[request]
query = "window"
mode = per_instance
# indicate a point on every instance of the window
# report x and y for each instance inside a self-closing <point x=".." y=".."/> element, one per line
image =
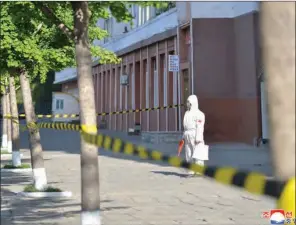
<point x="169" y="6"/>
<point x="165" y="83"/>
<point x="155" y="79"/>
<point x="147" y="13"/>
<point x="59" y="104"/>
<point x="139" y="16"/>
<point x="133" y="10"/>
<point x="143" y="15"/>
<point x="154" y="64"/>
<point x="108" y="28"/>
<point x="147" y="86"/>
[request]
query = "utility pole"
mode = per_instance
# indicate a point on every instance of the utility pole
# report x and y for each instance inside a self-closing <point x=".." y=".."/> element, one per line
<point x="278" y="39"/>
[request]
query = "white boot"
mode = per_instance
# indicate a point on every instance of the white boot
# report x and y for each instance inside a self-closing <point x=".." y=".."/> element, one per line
<point x="190" y="172"/>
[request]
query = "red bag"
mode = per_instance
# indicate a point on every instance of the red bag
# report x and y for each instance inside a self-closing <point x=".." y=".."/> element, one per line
<point x="180" y="147"/>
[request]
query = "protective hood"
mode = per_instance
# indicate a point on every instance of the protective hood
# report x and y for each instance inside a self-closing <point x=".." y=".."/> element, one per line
<point x="192" y="99"/>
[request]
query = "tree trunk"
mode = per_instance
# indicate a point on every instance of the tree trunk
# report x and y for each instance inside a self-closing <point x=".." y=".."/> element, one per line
<point x="278" y="36"/>
<point x="90" y="192"/>
<point x="9" y="133"/>
<point x="4" y="124"/>
<point x="39" y="175"/>
<point x="16" y="156"/>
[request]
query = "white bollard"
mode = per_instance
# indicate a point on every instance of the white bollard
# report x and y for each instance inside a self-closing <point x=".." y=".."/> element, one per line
<point x="91" y="218"/>
<point x="9" y="146"/>
<point x="4" y="142"/>
<point x="40" y="180"/>
<point x="16" y="158"/>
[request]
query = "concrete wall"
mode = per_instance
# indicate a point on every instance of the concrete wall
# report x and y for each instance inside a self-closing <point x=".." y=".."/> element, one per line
<point x="222" y="9"/>
<point x="138" y="32"/>
<point x="118" y="28"/>
<point x="225" y="71"/>
<point x="222" y="60"/>
<point x="150" y="85"/>
<point x="157" y="25"/>
<point x="183" y="12"/>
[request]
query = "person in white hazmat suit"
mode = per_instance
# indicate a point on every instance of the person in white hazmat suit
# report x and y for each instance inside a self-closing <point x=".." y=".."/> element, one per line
<point x="195" y="149"/>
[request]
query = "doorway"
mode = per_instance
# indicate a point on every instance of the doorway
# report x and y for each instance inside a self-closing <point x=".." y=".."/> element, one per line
<point x="264" y="113"/>
<point x="185" y="85"/>
<point x="185" y="91"/>
<point x="137" y="92"/>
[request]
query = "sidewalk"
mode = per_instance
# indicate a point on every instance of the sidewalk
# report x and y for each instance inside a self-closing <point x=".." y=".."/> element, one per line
<point x="237" y="155"/>
<point x="241" y="156"/>
<point x="133" y="192"/>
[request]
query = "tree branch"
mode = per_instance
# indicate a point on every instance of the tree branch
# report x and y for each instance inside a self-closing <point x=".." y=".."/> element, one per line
<point x="50" y="14"/>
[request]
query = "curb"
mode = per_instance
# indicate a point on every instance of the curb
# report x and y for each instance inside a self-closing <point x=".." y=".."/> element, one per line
<point x="26" y="170"/>
<point x="66" y="194"/>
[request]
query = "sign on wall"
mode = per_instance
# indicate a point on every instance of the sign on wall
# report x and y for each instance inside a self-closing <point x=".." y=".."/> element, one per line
<point x="173" y="63"/>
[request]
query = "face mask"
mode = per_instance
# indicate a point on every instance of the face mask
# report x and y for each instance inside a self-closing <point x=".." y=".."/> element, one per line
<point x="188" y="105"/>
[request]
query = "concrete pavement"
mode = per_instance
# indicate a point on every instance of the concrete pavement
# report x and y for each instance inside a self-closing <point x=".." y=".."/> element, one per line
<point x="135" y="191"/>
<point x="233" y="154"/>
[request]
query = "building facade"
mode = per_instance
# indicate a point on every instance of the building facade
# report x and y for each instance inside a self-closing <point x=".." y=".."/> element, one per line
<point x="66" y="101"/>
<point x="219" y="61"/>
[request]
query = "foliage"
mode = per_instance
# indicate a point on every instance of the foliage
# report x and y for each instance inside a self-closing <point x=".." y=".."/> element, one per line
<point x="31" y="188"/>
<point x="165" y="8"/>
<point x="3" y="81"/>
<point x="23" y="166"/>
<point x="42" y="94"/>
<point x="27" y="43"/>
<point x="5" y="152"/>
<point x="31" y="40"/>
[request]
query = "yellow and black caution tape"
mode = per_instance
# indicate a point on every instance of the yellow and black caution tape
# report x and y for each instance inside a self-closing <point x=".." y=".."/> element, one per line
<point x="253" y="182"/>
<point x="98" y="114"/>
<point x="56" y="126"/>
<point x="60" y="126"/>
<point x="32" y="126"/>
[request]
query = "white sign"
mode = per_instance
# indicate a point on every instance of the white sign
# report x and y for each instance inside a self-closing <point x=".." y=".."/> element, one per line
<point x="173" y="63"/>
<point x="124" y="79"/>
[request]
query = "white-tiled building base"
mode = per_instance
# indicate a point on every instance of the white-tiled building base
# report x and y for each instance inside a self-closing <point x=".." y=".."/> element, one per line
<point x="64" y="194"/>
<point x="161" y="137"/>
<point x="7" y="156"/>
<point x="24" y="170"/>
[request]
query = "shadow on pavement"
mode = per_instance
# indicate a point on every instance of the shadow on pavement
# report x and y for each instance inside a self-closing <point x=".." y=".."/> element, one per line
<point x="168" y="173"/>
<point x="69" y="141"/>
<point x="24" y="160"/>
<point x="9" y="179"/>
<point x="43" y="210"/>
<point x="107" y="209"/>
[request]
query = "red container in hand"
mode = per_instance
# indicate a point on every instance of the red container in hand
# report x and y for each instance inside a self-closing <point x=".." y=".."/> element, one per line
<point x="180" y="147"/>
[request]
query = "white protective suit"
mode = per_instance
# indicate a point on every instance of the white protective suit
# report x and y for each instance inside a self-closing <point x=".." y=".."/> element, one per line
<point x="193" y="123"/>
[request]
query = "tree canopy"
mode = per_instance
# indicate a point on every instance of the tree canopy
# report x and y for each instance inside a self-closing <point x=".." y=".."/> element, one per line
<point x="31" y="36"/>
<point x="27" y="43"/>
